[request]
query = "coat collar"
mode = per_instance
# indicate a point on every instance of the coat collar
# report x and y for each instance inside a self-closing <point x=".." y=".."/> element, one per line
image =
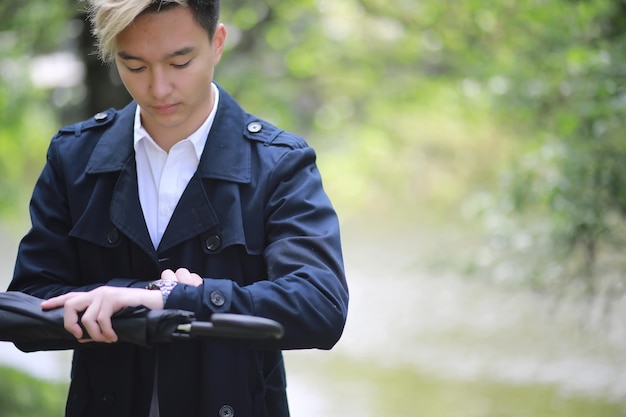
<point x="226" y="155"/>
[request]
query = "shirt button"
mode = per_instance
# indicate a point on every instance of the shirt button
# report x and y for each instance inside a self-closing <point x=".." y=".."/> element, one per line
<point x="217" y="299"/>
<point x="227" y="411"/>
<point x="212" y="243"/>
<point x="255" y="127"/>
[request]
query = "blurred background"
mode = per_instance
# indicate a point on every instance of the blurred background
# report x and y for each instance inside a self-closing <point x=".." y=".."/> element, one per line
<point x="475" y="153"/>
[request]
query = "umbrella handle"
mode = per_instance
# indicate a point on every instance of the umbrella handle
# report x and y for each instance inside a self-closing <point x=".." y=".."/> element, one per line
<point x="227" y="325"/>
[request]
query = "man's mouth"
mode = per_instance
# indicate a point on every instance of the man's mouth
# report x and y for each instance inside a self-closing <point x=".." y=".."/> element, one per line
<point x="164" y="108"/>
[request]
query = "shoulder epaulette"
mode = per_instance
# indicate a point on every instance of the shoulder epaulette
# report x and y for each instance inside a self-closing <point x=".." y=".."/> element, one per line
<point x="269" y="134"/>
<point x="99" y="119"/>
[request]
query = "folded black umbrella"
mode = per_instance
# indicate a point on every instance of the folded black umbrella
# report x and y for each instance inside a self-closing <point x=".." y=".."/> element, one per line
<point x="23" y="322"/>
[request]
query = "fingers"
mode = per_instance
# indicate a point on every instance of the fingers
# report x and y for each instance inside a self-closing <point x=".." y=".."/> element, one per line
<point x="168" y="275"/>
<point x="184" y="276"/>
<point x="56" y="302"/>
<point x="70" y="316"/>
<point x="88" y="314"/>
<point x="96" y="319"/>
<point x="90" y="311"/>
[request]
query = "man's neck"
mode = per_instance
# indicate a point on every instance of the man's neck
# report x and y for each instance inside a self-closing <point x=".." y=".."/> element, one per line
<point x="166" y="137"/>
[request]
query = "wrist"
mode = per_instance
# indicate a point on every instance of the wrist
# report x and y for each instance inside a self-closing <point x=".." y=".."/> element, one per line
<point x="152" y="300"/>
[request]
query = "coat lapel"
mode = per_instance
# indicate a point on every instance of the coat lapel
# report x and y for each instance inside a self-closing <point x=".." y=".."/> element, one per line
<point x="226" y="157"/>
<point x="193" y="216"/>
<point x="114" y="153"/>
<point x="125" y="210"/>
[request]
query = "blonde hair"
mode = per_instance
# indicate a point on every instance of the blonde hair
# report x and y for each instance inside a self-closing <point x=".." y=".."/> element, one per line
<point x="110" y="17"/>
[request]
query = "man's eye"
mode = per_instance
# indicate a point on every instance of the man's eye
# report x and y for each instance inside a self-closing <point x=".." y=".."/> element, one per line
<point x="181" y="66"/>
<point x="138" y="69"/>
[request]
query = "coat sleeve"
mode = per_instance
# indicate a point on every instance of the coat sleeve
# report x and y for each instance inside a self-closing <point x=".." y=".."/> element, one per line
<point x="306" y="288"/>
<point x="47" y="264"/>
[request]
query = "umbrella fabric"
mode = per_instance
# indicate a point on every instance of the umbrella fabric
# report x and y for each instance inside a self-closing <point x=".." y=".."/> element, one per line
<point x="23" y="322"/>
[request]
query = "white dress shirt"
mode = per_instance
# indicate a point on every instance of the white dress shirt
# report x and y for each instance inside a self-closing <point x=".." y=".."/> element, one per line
<point x="163" y="176"/>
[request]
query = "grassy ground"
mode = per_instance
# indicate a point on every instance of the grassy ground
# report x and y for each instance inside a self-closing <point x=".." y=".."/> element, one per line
<point x="340" y="385"/>
<point x="22" y="395"/>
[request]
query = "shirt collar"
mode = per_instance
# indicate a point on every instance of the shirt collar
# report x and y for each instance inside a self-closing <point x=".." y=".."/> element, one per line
<point x="227" y="156"/>
<point x="197" y="138"/>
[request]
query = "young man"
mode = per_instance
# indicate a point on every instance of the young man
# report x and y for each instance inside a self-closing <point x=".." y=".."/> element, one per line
<point x="184" y="192"/>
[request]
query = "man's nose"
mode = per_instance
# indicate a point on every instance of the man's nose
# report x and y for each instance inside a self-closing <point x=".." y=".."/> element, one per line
<point x="160" y="84"/>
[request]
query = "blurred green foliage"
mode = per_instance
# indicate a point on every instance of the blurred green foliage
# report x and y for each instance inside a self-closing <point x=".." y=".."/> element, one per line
<point x="27" y="29"/>
<point x="553" y="76"/>
<point x="508" y="112"/>
<point x="409" y="392"/>
<point x="24" y="396"/>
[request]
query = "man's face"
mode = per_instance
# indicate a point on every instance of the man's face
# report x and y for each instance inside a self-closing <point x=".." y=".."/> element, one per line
<point x="166" y="62"/>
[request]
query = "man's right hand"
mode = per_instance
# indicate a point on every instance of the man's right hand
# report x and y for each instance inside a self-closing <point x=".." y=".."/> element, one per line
<point x="97" y="308"/>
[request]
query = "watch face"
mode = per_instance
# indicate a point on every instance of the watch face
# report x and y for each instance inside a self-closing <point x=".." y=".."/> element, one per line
<point x="162" y="283"/>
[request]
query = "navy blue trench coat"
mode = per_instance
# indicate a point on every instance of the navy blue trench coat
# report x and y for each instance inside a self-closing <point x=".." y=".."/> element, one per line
<point x="254" y="222"/>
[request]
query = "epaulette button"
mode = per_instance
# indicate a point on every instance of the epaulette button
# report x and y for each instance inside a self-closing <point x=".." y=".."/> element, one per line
<point x="255" y="127"/>
<point x="101" y="117"/>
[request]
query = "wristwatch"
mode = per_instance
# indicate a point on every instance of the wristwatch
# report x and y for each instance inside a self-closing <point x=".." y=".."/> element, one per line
<point x="164" y="285"/>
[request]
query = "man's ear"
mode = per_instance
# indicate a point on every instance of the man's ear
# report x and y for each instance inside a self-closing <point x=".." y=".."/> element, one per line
<point x="219" y="39"/>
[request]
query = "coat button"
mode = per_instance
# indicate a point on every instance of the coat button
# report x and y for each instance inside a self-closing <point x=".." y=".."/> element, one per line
<point x="212" y="243"/>
<point x="113" y="236"/>
<point x="108" y="398"/>
<point x="217" y="298"/>
<point x="227" y="411"/>
<point x="101" y="117"/>
<point x="255" y="127"/>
